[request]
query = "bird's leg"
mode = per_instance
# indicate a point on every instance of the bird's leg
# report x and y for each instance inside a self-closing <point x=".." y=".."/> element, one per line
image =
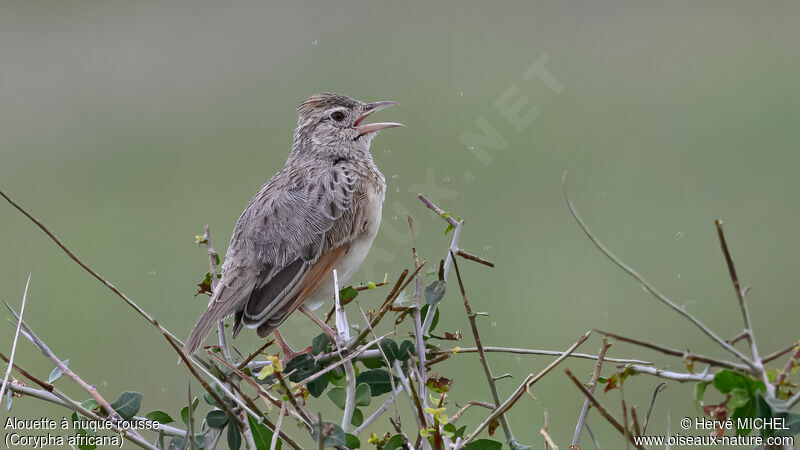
<point x="328" y="330"/>
<point x="288" y="353"/>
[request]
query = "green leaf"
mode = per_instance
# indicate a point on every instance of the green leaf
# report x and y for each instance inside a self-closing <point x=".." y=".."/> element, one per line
<point x="128" y="404"/>
<point x="185" y="411"/>
<point x="220" y="393"/>
<point x="320" y="343"/>
<point x="377" y="379"/>
<point x="394" y="442"/>
<point x="434" y="292"/>
<point x="336" y="437"/>
<point x="390" y="349"/>
<point x="450" y="227"/>
<point x="303" y="367"/>
<point x="484" y="444"/>
<point x="748" y="410"/>
<point x="56" y="373"/>
<point x="725" y="380"/>
<point x="774" y="408"/>
<point x="699" y="391"/>
<point x="216" y="419"/>
<point x="460" y="432"/>
<point x="739" y="397"/>
<point x="373" y="363"/>
<point x="262" y="436"/>
<point x="358" y="418"/>
<point x="234" y="438"/>
<point x="317" y="387"/>
<point x="338" y="396"/>
<point x="82" y="432"/>
<point x="159" y="416"/>
<point x="347" y="294"/>
<point x="406" y="347"/>
<point x="351" y="441"/>
<point x="363" y="395"/>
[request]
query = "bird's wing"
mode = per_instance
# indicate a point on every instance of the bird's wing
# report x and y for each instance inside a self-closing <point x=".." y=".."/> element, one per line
<point x="289" y="239"/>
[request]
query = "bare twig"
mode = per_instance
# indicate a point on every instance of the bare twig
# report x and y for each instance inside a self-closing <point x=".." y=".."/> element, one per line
<point x="342" y="336"/>
<point x="650" y="288"/>
<point x="793" y="401"/>
<point x="350" y="356"/>
<point x="668" y="375"/>
<point x="740" y="295"/>
<point x="426" y="326"/>
<point x="49" y="397"/>
<point x="252" y="356"/>
<point x="90" y="271"/>
<point x="16" y="339"/>
<point x="43" y="384"/>
<point x="379" y="412"/>
<point x="300" y="410"/>
<point x="603" y="412"/>
<point x="591" y="436"/>
<point x="401" y="284"/>
<point x="419" y="338"/>
<point x="635" y="419"/>
<point x="790" y="364"/>
<point x="207" y="387"/>
<point x="576" y="437"/>
<point x="656" y="391"/>
<point x="627" y="433"/>
<point x="484" y="362"/>
<point x="261" y="391"/>
<point x="413" y="397"/>
<point x="464" y="408"/>
<point x="273" y="444"/>
<point x="191" y="417"/>
<point x="57" y="398"/>
<point x="679" y="354"/>
<point x="393" y="397"/>
<point x="529" y="381"/>
<point x="267" y="398"/>
<point x="174" y="341"/>
<point x="212" y="263"/>
<point x="439" y="211"/>
<point x="347" y="302"/>
<point x="528" y="351"/>
<point x="548" y="441"/>
<point x="26" y="331"/>
<point x="778" y="353"/>
<point x="472" y="257"/>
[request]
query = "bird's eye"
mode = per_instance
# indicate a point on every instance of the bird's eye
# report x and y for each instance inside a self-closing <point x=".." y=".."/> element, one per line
<point x="337" y="116"/>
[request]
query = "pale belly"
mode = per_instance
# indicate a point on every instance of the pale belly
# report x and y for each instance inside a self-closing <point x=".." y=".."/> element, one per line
<point x="354" y="257"/>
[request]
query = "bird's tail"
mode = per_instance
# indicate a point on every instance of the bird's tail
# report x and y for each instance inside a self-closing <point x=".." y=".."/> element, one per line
<point x="216" y="311"/>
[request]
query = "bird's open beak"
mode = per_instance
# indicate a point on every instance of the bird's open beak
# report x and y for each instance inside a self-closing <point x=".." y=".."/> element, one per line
<point x="370" y="127"/>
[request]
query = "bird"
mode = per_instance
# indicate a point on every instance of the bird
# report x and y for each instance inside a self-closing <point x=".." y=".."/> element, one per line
<point x="318" y="213"/>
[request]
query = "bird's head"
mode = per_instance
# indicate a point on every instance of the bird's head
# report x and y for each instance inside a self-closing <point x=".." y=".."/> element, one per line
<point x="334" y="122"/>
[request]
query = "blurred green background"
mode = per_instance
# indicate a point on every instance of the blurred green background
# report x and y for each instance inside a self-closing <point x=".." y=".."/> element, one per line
<point x="128" y="126"/>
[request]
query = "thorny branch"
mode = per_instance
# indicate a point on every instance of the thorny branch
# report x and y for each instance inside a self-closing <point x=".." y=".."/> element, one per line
<point x="16" y="339"/>
<point x="576" y="437"/>
<point x="484" y="362"/>
<point x="661" y="297"/>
